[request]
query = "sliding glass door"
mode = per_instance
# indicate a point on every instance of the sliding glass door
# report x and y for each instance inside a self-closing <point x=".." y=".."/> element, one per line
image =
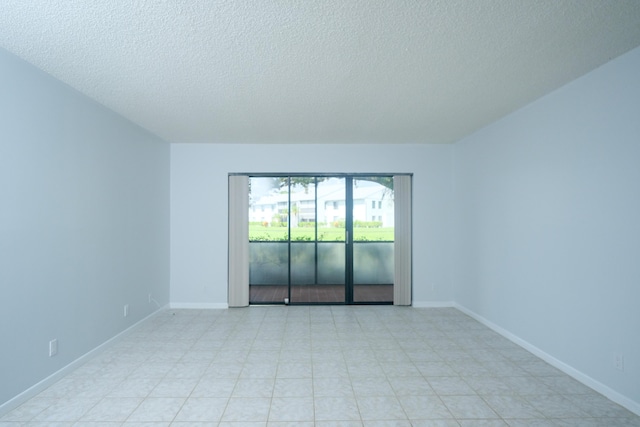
<point x="321" y="239"/>
<point x="317" y="240"/>
<point x="372" y="247"/>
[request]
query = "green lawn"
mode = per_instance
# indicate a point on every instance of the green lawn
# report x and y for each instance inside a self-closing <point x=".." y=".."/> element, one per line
<point x="326" y="234"/>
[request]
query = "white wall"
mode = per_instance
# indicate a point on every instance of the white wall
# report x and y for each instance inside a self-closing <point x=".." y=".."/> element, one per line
<point x="199" y="208"/>
<point x="84" y="224"/>
<point x="548" y="225"/>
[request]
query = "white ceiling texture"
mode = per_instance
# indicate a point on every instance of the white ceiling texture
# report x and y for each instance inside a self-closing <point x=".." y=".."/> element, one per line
<point x="317" y="71"/>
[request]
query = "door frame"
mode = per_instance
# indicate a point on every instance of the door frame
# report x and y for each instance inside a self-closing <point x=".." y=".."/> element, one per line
<point x="349" y="241"/>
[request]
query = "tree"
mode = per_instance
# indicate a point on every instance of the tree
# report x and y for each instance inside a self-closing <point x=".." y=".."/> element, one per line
<point x="305" y="181"/>
<point x="386" y="181"/>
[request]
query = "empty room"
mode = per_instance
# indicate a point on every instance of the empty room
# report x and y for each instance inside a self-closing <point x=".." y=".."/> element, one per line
<point x="356" y="213"/>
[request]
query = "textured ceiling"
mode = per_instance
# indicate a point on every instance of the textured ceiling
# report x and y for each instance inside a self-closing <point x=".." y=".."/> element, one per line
<point x="429" y="71"/>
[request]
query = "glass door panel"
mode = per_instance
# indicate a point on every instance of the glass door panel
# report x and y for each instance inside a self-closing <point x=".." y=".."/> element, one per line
<point x="373" y="231"/>
<point x="317" y="240"/>
<point x="268" y="241"/>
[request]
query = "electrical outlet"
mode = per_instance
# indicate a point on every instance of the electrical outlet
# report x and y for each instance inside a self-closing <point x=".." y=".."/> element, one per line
<point x="126" y="310"/>
<point x="618" y="362"/>
<point x="53" y="347"/>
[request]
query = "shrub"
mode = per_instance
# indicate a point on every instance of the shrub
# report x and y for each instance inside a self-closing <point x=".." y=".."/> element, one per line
<point x="367" y="224"/>
<point x="309" y="224"/>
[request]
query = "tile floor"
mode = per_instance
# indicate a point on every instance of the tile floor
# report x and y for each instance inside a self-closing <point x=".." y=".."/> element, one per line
<point x="320" y="365"/>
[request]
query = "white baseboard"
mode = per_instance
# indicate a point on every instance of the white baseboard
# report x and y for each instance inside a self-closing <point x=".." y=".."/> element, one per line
<point x="606" y="391"/>
<point x="198" y="306"/>
<point x="432" y="304"/>
<point x="32" y="391"/>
